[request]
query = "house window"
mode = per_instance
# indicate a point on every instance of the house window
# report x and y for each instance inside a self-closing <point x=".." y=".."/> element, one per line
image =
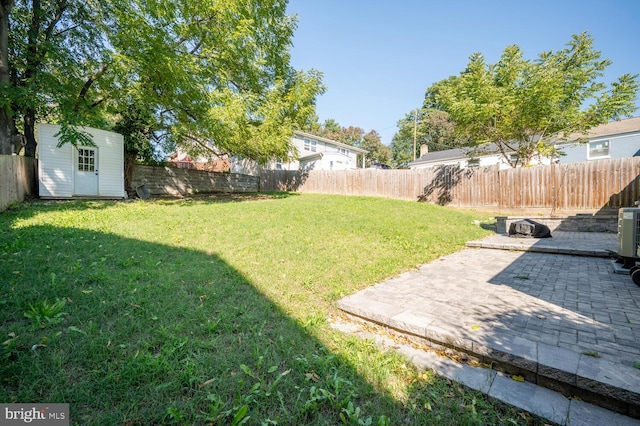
<point x="474" y="162"/>
<point x="343" y="151"/>
<point x="598" y="149"/>
<point x="310" y="145"/>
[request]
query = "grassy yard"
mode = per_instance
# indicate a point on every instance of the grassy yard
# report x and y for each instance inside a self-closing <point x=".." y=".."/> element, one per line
<point x="216" y="311"/>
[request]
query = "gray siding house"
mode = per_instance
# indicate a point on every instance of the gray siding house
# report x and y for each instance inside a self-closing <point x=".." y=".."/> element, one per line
<point x="617" y="139"/>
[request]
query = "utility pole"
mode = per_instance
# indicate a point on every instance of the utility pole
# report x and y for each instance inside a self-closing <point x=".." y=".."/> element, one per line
<point x="415" y="130"/>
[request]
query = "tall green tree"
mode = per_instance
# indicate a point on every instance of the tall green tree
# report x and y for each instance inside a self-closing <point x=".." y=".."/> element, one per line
<point x="8" y="132"/>
<point x="215" y="76"/>
<point x="526" y="105"/>
<point x="378" y="152"/>
<point x="51" y="54"/>
<point x="432" y="127"/>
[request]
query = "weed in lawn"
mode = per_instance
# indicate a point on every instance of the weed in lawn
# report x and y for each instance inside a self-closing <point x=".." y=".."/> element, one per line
<point x="45" y="314"/>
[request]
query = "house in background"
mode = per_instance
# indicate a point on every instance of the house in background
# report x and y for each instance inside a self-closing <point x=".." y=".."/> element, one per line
<point x="313" y="153"/>
<point x="616" y="139"/>
<point x="80" y="171"/>
<point x="487" y="155"/>
<point x="182" y="160"/>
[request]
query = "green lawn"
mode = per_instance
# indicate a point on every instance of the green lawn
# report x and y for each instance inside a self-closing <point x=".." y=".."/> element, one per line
<point x="216" y="311"/>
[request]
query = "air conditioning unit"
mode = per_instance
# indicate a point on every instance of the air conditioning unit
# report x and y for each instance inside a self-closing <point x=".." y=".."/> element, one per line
<point x="629" y="232"/>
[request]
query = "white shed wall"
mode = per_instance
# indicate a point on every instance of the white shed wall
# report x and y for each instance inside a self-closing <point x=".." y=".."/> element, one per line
<point x="110" y="163"/>
<point x="56" y="173"/>
<point x="55" y="165"/>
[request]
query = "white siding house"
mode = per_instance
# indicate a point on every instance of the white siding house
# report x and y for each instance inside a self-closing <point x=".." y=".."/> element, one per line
<point x="488" y="155"/>
<point x="83" y="171"/>
<point x="312" y="152"/>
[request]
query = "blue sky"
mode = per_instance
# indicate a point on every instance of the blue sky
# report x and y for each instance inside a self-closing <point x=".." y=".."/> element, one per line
<point x="379" y="57"/>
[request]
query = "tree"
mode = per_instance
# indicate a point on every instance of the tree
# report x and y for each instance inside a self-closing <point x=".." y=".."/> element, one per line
<point x="214" y="76"/>
<point x="432" y="127"/>
<point x="7" y="126"/>
<point x="218" y="73"/>
<point x="49" y="53"/>
<point x="136" y="127"/>
<point x="525" y="106"/>
<point x="378" y="152"/>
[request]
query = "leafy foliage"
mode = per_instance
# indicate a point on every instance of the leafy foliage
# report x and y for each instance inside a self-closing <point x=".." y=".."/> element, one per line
<point x="432" y="128"/>
<point x="525" y="106"/>
<point x="213" y="76"/>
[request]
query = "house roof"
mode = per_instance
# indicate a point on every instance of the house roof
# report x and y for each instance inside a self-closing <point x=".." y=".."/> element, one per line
<point x="618" y="127"/>
<point x="313" y="156"/>
<point x="331" y="141"/>
<point x="457" y="154"/>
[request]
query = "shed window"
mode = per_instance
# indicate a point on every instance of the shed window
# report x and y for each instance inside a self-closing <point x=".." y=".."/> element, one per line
<point x="474" y="162"/>
<point x="598" y="149"/>
<point x="86" y="160"/>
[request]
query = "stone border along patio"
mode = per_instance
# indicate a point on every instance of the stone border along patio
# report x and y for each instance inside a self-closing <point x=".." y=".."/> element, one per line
<point x="564" y="322"/>
<point x="578" y="223"/>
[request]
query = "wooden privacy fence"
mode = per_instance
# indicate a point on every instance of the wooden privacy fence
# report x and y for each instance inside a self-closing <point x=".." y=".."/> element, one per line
<point x="594" y="185"/>
<point x="18" y="178"/>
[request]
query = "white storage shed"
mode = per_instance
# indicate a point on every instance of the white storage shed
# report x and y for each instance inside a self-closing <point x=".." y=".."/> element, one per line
<point x="82" y="171"/>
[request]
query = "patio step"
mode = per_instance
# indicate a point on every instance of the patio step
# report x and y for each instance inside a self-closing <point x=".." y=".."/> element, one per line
<point x="581" y="376"/>
<point x="595" y="244"/>
<point x="573" y="371"/>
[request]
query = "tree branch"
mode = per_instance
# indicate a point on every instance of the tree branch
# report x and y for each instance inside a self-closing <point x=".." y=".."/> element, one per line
<point x="59" y="33"/>
<point x="96" y="103"/>
<point x="62" y="6"/>
<point x="206" y="146"/>
<point x="90" y="81"/>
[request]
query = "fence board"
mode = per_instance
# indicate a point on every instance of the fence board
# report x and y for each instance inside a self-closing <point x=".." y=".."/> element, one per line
<point x="594" y="185"/>
<point x="18" y="178"/>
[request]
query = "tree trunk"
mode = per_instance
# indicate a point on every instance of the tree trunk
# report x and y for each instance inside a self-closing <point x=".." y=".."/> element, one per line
<point x="129" y="164"/>
<point x="6" y="133"/>
<point x="6" y="119"/>
<point x="29" y="133"/>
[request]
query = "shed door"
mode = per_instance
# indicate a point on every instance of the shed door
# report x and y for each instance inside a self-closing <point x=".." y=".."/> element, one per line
<point x="86" y="179"/>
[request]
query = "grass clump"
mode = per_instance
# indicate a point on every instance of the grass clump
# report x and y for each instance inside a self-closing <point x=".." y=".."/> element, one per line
<point x="208" y="311"/>
<point x="44" y="313"/>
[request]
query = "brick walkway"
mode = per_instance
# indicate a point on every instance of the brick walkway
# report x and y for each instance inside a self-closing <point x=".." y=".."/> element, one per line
<point x="522" y="302"/>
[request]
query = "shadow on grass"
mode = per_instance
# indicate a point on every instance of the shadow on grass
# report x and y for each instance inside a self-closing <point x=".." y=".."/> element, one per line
<point x="153" y="334"/>
<point x="25" y="210"/>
